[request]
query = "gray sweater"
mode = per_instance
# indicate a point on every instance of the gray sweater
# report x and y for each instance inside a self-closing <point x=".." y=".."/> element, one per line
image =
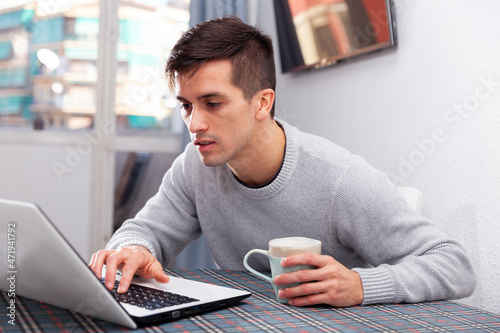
<point x="323" y="192"/>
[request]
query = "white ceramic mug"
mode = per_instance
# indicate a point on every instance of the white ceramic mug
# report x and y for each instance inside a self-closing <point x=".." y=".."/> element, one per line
<point x="280" y="248"/>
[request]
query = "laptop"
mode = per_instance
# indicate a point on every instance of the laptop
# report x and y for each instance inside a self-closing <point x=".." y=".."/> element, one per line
<point x="38" y="263"/>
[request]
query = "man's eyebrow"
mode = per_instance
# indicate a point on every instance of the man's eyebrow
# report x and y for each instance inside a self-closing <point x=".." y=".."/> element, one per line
<point x="204" y="96"/>
<point x="211" y="94"/>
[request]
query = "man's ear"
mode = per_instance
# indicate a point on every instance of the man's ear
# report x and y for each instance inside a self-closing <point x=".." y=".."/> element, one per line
<point x="266" y="101"/>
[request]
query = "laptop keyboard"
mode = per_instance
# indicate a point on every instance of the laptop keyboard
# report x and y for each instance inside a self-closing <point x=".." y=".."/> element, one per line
<point x="149" y="298"/>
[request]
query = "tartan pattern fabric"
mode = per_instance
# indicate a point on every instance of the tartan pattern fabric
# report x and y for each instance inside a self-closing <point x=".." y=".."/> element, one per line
<point x="262" y="313"/>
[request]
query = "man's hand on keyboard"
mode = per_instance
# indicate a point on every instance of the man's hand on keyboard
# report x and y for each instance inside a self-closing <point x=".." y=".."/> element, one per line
<point x="133" y="259"/>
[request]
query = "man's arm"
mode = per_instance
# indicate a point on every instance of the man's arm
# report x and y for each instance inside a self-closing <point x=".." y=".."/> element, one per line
<point x="412" y="259"/>
<point x="161" y="229"/>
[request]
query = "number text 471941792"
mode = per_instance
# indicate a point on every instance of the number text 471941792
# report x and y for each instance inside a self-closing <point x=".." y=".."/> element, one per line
<point x="11" y="272"/>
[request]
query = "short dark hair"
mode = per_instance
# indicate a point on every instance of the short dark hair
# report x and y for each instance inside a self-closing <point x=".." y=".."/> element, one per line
<point x="247" y="48"/>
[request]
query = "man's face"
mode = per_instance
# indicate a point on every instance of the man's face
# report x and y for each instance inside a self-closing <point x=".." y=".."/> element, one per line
<point x="221" y="122"/>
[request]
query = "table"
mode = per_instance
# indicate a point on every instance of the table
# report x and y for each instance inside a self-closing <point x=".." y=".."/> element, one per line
<point x="262" y="313"/>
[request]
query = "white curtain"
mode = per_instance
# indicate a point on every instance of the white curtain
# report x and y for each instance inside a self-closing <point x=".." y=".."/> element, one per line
<point x="202" y="10"/>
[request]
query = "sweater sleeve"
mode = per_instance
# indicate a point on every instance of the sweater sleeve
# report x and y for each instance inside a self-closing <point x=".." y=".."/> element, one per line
<point x="168" y="221"/>
<point x="412" y="260"/>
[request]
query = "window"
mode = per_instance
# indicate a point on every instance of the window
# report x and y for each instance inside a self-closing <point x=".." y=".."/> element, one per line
<point x="147" y="32"/>
<point x="48" y="64"/>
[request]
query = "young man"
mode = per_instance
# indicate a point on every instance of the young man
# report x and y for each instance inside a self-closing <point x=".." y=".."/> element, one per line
<point x="247" y="178"/>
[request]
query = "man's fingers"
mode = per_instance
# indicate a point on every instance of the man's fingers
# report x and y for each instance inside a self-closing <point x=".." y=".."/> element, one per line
<point x="126" y="259"/>
<point x="306" y="259"/>
<point x="140" y="261"/>
<point x="306" y="294"/>
<point x="305" y="275"/>
<point x="128" y="272"/>
<point x="112" y="263"/>
<point x="131" y="260"/>
<point x="305" y="289"/>
<point x="97" y="262"/>
<point x="331" y="283"/>
<point x="154" y="270"/>
<point x="159" y="275"/>
<point x="301" y="276"/>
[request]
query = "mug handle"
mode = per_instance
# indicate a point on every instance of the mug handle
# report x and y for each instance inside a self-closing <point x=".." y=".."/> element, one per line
<point x="247" y="266"/>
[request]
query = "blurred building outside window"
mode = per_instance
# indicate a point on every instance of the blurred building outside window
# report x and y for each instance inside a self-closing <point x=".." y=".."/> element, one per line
<point x="48" y="64"/>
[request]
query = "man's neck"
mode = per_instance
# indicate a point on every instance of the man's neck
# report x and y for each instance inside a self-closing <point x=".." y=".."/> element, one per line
<point x="269" y="152"/>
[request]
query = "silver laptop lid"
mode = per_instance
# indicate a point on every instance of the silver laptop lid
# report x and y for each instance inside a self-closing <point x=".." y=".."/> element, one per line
<point x="44" y="267"/>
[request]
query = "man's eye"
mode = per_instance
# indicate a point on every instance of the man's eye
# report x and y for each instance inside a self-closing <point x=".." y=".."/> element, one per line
<point x="185" y="107"/>
<point x="213" y="104"/>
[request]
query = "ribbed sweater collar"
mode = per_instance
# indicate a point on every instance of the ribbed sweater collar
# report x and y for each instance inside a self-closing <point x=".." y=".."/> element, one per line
<point x="285" y="173"/>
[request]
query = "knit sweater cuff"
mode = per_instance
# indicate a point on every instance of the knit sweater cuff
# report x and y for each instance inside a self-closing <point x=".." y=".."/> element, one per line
<point x="126" y="241"/>
<point x="378" y="286"/>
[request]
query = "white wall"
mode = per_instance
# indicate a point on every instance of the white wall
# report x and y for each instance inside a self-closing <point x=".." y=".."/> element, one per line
<point x="57" y="178"/>
<point x="426" y="112"/>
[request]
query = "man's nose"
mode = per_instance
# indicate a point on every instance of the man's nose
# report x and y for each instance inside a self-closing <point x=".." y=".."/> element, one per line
<point x="197" y="122"/>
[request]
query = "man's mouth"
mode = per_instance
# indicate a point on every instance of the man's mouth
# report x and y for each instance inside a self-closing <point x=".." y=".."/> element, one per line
<point x="203" y="145"/>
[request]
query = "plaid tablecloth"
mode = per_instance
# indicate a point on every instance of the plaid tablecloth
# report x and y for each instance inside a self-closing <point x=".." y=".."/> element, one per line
<point x="262" y="313"/>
